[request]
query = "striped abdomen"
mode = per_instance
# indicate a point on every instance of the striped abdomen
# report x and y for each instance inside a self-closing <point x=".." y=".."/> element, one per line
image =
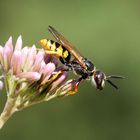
<point x="52" y="47"/>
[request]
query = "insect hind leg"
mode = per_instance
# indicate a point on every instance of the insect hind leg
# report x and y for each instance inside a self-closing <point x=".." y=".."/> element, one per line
<point x="53" y="53"/>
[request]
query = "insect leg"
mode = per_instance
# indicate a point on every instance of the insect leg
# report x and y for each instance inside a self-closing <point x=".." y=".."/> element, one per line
<point x="53" y="53"/>
<point x="77" y="82"/>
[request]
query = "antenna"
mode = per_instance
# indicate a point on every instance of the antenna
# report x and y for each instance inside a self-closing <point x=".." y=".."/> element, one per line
<point x="115" y="77"/>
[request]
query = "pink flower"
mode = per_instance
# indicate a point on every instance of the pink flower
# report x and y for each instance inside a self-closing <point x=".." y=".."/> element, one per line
<point x="31" y="76"/>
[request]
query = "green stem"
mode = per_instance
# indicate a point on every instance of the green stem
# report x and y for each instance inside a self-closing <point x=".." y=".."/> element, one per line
<point x="7" y="112"/>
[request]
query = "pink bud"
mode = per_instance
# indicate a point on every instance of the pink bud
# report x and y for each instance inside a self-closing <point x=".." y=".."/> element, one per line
<point x="9" y="45"/>
<point x="38" y="59"/>
<point x="30" y="76"/>
<point x="30" y="58"/>
<point x="24" y="54"/>
<point x="1" y="56"/>
<point x="16" y="62"/>
<point x="47" y="71"/>
<point x="18" y="45"/>
<point x="50" y="58"/>
<point x="7" y="57"/>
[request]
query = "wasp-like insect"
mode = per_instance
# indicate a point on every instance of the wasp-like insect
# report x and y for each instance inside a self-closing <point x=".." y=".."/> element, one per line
<point x="81" y="66"/>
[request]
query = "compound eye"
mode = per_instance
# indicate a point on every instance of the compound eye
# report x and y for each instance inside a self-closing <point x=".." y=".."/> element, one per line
<point x="99" y="78"/>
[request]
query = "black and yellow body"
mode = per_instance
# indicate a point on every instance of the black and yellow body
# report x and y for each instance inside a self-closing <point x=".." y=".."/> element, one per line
<point x="52" y="47"/>
<point x="81" y="66"/>
<point x="64" y="55"/>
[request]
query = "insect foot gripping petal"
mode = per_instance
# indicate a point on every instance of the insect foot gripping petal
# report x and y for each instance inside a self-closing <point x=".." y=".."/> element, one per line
<point x="55" y="75"/>
<point x="75" y="87"/>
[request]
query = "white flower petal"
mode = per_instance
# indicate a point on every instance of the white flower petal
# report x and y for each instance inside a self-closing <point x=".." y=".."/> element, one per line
<point x="30" y="60"/>
<point x="16" y="62"/>
<point x="24" y="52"/>
<point x="48" y="69"/>
<point x="7" y="56"/>
<point x="30" y="76"/>
<point x="18" y="45"/>
<point x="9" y="45"/>
<point x="38" y="59"/>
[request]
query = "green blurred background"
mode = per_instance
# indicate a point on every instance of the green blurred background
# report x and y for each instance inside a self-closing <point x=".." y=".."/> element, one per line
<point x="107" y="32"/>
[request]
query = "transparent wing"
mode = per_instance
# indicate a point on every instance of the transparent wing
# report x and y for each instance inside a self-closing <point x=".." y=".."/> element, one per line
<point x="63" y="41"/>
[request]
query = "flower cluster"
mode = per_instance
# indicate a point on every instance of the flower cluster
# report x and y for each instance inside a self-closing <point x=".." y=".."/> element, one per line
<point x="30" y="76"/>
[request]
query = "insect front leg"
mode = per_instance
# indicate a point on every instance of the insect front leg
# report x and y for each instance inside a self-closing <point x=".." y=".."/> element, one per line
<point x="76" y="84"/>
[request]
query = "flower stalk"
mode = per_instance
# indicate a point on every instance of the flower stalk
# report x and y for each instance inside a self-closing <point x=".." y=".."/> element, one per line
<point x="30" y="76"/>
